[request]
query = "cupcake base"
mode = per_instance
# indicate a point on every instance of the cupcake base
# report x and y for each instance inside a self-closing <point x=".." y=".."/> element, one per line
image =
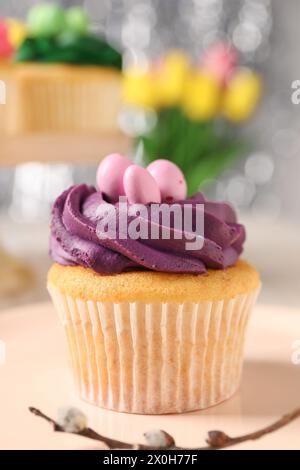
<point x="155" y="357"/>
<point x="59" y="98"/>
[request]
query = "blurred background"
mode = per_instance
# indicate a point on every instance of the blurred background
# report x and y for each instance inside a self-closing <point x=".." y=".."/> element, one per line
<point x="263" y="185"/>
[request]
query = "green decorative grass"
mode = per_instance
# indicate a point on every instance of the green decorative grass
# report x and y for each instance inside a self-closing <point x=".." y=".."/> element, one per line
<point x="69" y="49"/>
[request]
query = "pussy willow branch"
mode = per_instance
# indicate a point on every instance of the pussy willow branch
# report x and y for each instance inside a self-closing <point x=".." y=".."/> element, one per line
<point x="215" y="440"/>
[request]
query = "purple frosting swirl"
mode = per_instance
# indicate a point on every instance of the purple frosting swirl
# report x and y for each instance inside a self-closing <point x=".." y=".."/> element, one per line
<point x="74" y="240"/>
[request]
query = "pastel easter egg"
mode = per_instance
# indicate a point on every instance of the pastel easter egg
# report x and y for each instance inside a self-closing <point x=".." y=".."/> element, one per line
<point x="140" y="187"/>
<point x="46" y="19"/>
<point x="77" y="20"/>
<point x="16" y="32"/>
<point x="169" y="179"/>
<point x="3" y="27"/>
<point x="110" y="175"/>
<point x="6" y="48"/>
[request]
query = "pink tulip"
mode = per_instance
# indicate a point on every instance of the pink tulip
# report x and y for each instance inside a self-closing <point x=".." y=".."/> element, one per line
<point x="220" y="60"/>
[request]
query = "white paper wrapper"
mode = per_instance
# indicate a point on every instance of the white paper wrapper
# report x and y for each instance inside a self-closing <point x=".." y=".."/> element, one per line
<point x="155" y="358"/>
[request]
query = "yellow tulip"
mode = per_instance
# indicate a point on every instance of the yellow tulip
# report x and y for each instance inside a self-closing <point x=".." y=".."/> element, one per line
<point x="242" y="95"/>
<point x="139" y="88"/>
<point x="16" y="32"/>
<point x="202" y="96"/>
<point x="170" y="78"/>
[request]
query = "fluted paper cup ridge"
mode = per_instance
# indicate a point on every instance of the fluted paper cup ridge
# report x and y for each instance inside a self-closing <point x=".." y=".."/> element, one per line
<point x="155" y="358"/>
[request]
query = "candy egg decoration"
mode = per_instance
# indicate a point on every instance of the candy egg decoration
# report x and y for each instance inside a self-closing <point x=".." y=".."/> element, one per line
<point x="140" y="186"/>
<point x="170" y="180"/>
<point x="6" y="48"/>
<point x="110" y="175"/>
<point x="77" y="21"/>
<point x="16" y="32"/>
<point x="46" y="20"/>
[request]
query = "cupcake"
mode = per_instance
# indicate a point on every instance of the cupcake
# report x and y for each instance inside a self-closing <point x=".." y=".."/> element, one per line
<point x="60" y="76"/>
<point x="155" y="323"/>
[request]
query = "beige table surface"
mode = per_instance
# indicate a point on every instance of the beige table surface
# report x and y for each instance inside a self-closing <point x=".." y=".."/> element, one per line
<point x="35" y="373"/>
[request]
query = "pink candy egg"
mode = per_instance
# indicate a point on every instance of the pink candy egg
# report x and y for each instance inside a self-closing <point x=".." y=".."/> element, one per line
<point x="140" y="187"/>
<point x="170" y="180"/>
<point x="110" y="175"/>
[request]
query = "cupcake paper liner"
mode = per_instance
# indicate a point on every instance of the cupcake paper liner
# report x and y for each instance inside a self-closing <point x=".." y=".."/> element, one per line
<point x="46" y="98"/>
<point x="155" y="358"/>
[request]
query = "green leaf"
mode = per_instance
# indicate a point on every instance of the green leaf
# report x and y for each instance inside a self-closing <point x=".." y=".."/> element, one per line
<point x="212" y="166"/>
<point x="200" y="149"/>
